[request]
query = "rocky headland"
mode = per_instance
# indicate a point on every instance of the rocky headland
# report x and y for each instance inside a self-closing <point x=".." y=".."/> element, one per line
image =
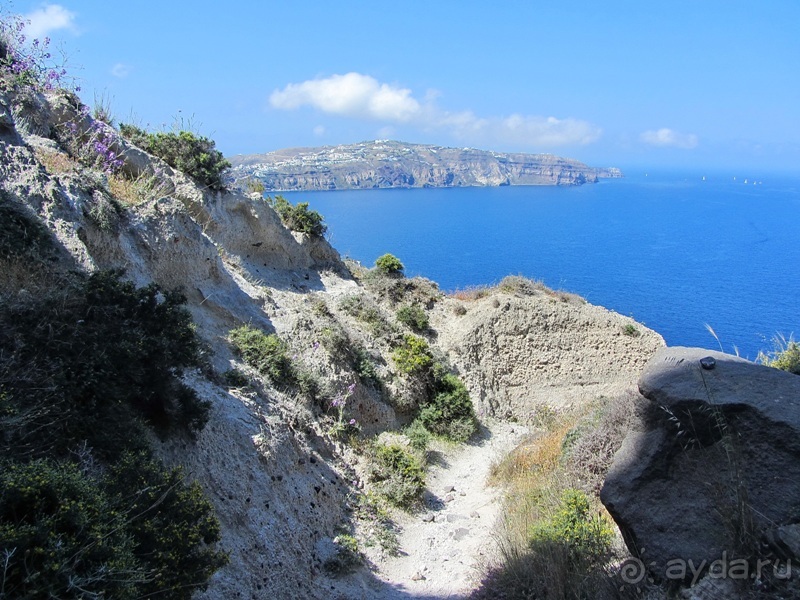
<point x="391" y="164"/>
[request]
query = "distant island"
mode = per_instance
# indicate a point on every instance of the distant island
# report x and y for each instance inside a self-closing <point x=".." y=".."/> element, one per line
<point x="391" y="164"/>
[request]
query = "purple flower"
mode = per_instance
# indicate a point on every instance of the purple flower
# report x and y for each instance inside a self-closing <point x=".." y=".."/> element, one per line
<point x="352" y="421"/>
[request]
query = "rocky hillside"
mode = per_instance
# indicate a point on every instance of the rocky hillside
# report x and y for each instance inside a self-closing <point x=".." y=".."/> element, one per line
<point x="390" y="164"/>
<point x="288" y="461"/>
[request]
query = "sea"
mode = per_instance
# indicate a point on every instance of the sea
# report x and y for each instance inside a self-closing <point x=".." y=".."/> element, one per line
<point x="685" y="254"/>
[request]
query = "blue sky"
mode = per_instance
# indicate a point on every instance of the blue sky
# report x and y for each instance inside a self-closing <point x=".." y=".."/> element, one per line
<point x="701" y="84"/>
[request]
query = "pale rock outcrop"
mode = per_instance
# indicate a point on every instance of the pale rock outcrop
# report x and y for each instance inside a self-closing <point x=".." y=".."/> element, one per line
<point x="517" y="353"/>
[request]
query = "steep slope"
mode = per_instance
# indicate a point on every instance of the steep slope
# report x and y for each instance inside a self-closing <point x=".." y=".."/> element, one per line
<point x="386" y="164"/>
<point x="283" y="485"/>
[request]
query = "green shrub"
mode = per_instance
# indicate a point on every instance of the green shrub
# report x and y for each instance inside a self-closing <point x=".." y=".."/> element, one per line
<point x="347" y="558"/>
<point x="388" y="264"/>
<point x="60" y="532"/>
<point x="587" y="535"/>
<point x="413" y="356"/>
<point x="92" y="362"/>
<point x="136" y="530"/>
<point x="364" y="309"/>
<point x="398" y="475"/>
<point x="381" y="530"/>
<point x="630" y="330"/>
<point x="413" y="316"/>
<point x="298" y="217"/>
<point x="785" y="357"/>
<point x="364" y="366"/>
<point x="335" y="340"/>
<point x="320" y="308"/>
<point x="235" y="378"/>
<point x="352" y="304"/>
<point x="20" y="233"/>
<point x="254" y="185"/>
<point x="194" y="155"/>
<point x="172" y="526"/>
<point x="308" y="383"/>
<point x="266" y="353"/>
<point x="449" y="412"/>
<point x="418" y="436"/>
<point x="788" y="359"/>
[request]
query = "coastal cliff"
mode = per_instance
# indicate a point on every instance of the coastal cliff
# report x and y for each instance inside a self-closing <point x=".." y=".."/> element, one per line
<point x="273" y="459"/>
<point x="391" y="164"/>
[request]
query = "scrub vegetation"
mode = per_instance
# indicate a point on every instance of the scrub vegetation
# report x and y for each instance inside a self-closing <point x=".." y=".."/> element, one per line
<point x="557" y="541"/>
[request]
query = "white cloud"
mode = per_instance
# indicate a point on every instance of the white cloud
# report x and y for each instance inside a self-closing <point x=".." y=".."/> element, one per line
<point x="49" y="18"/>
<point x="120" y="70"/>
<point x="319" y="130"/>
<point x="361" y="96"/>
<point x="525" y="130"/>
<point x="352" y="95"/>
<point x="668" y="138"/>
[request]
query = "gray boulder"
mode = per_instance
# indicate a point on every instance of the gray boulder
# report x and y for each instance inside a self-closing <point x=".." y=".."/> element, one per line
<point x="712" y="468"/>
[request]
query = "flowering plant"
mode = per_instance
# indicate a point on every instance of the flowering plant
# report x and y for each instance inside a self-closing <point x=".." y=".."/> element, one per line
<point x="92" y="141"/>
<point x="30" y="63"/>
<point x="341" y="424"/>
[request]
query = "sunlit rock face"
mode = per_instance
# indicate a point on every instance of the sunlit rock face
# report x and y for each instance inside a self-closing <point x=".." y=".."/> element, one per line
<point x="387" y="164"/>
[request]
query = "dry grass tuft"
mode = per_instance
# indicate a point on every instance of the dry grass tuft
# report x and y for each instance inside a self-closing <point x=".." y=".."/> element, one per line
<point x="470" y="294"/>
<point x="132" y="192"/>
<point x="516" y="285"/>
<point x="534" y="461"/>
<point x="55" y="162"/>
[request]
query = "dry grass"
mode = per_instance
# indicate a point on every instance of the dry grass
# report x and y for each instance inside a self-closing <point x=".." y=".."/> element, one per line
<point x="132" y="192"/>
<point x="535" y="476"/>
<point x="534" y="461"/>
<point x="55" y="162"/>
<point x="396" y="290"/>
<point x="566" y="297"/>
<point x="472" y="293"/>
<point x="590" y="447"/>
<point x="516" y="285"/>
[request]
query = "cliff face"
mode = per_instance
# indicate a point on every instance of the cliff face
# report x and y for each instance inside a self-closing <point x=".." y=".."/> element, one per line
<point x="282" y="485"/>
<point x="387" y="164"/>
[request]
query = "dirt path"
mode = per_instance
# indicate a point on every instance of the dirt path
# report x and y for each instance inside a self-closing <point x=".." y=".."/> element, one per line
<point x="445" y="546"/>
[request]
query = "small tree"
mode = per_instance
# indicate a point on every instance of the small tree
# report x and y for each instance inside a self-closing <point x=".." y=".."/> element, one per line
<point x="389" y="264"/>
<point x="298" y="217"/>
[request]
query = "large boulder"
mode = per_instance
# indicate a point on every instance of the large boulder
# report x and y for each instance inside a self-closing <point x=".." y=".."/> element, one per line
<point x="712" y="470"/>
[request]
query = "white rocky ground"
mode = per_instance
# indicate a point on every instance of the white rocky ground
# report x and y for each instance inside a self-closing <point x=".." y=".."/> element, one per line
<point x="446" y="547"/>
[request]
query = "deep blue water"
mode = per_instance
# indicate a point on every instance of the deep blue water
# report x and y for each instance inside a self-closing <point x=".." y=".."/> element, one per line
<point x="673" y="251"/>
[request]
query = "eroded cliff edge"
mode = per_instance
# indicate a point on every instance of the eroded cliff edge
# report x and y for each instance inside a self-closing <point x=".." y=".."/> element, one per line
<point x="391" y="164"/>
